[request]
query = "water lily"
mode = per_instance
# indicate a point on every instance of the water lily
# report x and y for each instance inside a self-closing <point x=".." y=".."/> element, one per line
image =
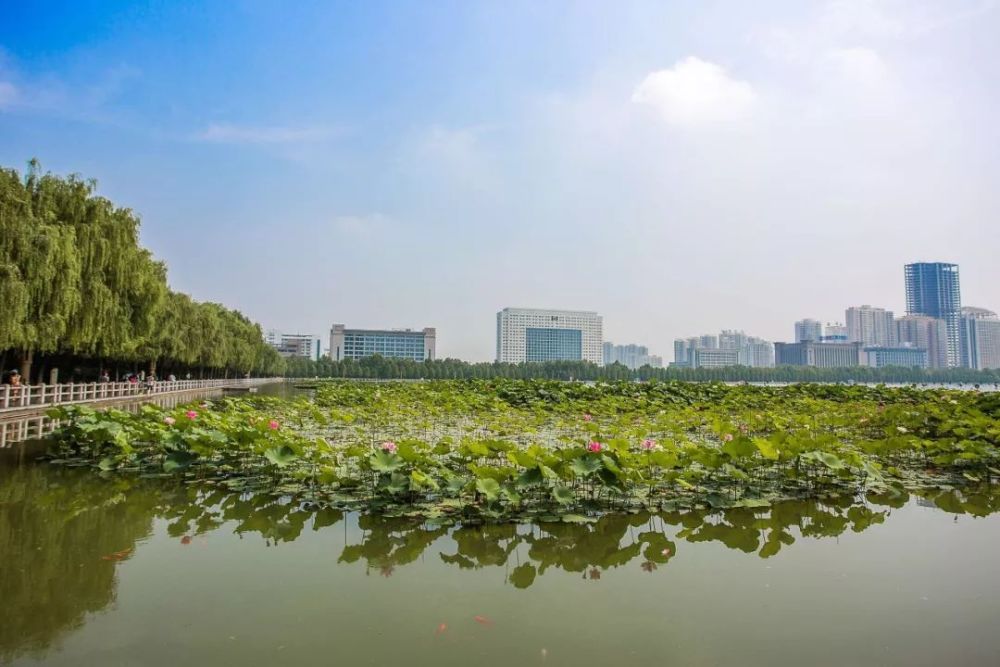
<point x="389" y="446"/>
<point x="594" y="446"/>
<point x="169" y="421"/>
<point x="588" y="417"/>
<point x="273" y="424"/>
<point x="191" y="414"/>
<point x="649" y="444"/>
<point x="727" y="437"/>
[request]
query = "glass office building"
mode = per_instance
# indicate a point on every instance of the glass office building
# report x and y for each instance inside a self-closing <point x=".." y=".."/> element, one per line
<point x="932" y="289"/>
<point x="419" y="345"/>
<point x="532" y="334"/>
<point x="907" y="357"/>
<point x="553" y="344"/>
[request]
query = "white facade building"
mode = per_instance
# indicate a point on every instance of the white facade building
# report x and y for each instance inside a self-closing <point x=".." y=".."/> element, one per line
<point x="875" y="327"/>
<point x="631" y="356"/>
<point x="533" y="334"/>
<point x="980" y="338"/>
<point x="294" y="345"/>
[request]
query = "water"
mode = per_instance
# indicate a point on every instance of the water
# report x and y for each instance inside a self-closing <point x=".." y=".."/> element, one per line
<point x="144" y="572"/>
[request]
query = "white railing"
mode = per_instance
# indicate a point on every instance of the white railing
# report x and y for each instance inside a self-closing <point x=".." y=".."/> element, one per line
<point x="25" y="397"/>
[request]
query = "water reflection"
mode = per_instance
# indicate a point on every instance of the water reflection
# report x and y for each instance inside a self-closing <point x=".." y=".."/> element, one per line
<point x="63" y="533"/>
<point x="61" y="536"/>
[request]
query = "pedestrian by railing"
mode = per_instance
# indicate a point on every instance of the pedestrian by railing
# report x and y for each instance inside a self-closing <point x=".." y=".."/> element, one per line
<point x="21" y="397"/>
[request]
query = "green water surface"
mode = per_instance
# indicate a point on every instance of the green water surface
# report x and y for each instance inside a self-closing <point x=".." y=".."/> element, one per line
<point x="120" y="571"/>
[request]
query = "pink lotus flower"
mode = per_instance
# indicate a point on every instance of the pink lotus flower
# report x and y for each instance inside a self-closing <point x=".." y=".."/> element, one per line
<point x="593" y="446"/>
<point x="389" y="446"/>
<point x="273" y="424"/>
<point x="169" y="421"/>
<point x="727" y="437"/>
<point x="191" y="414"/>
<point x="649" y="444"/>
<point x="588" y="418"/>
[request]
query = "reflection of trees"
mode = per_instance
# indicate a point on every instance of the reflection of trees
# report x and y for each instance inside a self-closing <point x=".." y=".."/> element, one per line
<point x="55" y="528"/>
<point x="58" y="526"/>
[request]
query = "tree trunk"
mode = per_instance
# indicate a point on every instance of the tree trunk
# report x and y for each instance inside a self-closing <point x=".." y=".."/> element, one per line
<point x="152" y="367"/>
<point x="27" y="356"/>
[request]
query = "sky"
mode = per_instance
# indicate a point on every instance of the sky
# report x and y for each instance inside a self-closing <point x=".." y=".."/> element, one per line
<point x="679" y="167"/>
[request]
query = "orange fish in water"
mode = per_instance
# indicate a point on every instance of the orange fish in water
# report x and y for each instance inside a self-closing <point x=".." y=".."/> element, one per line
<point x="186" y="539"/>
<point x="441" y="629"/>
<point x="482" y="620"/>
<point x="118" y="555"/>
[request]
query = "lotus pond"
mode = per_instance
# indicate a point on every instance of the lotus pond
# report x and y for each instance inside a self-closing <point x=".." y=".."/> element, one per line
<point x="502" y="522"/>
<point x="463" y="452"/>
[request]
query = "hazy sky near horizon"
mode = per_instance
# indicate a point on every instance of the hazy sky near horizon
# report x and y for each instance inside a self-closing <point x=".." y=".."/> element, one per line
<point x="679" y="167"/>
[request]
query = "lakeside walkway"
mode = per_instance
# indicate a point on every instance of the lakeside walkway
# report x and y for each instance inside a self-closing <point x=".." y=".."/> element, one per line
<point x="22" y="414"/>
<point x="27" y="399"/>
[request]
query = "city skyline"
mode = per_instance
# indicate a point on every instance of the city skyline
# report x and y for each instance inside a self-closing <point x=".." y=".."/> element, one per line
<point x="537" y="334"/>
<point x="745" y="166"/>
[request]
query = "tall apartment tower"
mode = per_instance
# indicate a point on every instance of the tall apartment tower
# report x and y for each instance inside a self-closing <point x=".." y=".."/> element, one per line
<point x="932" y="289"/>
<point x="808" y="329"/>
<point x="980" y="338"/>
<point x="929" y="333"/>
<point x="875" y="327"/>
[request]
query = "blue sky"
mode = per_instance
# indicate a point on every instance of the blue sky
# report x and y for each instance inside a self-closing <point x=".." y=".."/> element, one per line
<point x="679" y="167"/>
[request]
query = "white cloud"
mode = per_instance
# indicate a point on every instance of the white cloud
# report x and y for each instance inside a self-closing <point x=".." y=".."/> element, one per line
<point x="8" y="94"/>
<point x="696" y="92"/>
<point x="225" y="133"/>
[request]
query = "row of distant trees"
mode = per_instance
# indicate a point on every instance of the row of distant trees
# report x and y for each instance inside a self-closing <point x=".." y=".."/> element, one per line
<point x="78" y="291"/>
<point x="385" y="368"/>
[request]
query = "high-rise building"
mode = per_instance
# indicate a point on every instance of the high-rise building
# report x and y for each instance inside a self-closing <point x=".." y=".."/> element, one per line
<point x="808" y="329"/>
<point x="909" y="357"/>
<point x="932" y="289"/>
<point x="757" y="353"/>
<point x="872" y="326"/>
<point x="730" y="339"/>
<point x="306" y="346"/>
<point x="821" y="355"/>
<point x="746" y="350"/>
<point x="980" y="338"/>
<point x="680" y="351"/>
<point x="929" y="333"/>
<point x="390" y="343"/>
<point x="834" y="332"/>
<point x="631" y="356"/>
<point x="531" y="334"/>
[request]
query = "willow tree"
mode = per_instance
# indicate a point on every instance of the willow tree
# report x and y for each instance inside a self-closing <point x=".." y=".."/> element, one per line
<point x="75" y="281"/>
<point x="46" y="255"/>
